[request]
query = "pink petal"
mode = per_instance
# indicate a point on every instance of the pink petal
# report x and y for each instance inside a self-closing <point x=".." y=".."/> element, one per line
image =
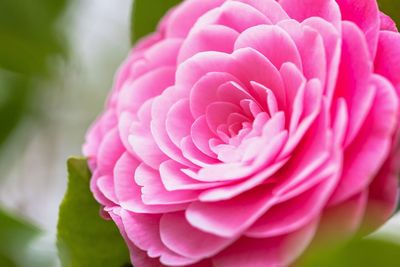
<point x="383" y="194"/>
<point x="303" y="9"/>
<point x="154" y="192"/>
<point x="129" y="193"/>
<point x="270" y="8"/>
<point x="311" y="48"/>
<point x="387" y="24"/>
<point x="208" y="38"/>
<point x="342" y="221"/>
<point x="364" y="13"/>
<point x="201" y="134"/>
<point x="205" y="91"/>
<point x="182" y="19"/>
<point x="365" y="156"/>
<point x="332" y="43"/>
<point x="387" y="61"/>
<point x="197" y="244"/>
<point x="147" y="86"/>
<point x="354" y="74"/>
<point x="179" y="121"/>
<point x="294" y="213"/>
<point x="138" y="256"/>
<point x="230" y="217"/>
<point x="249" y="16"/>
<point x="109" y="152"/>
<point x="277" y="251"/>
<point x="174" y="179"/>
<point x="159" y="111"/>
<point x="273" y="42"/>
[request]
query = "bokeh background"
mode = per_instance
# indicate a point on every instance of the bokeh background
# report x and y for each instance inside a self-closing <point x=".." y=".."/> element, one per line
<point x="57" y="62"/>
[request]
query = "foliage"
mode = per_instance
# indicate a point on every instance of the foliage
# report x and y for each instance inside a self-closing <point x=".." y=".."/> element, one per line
<point x="146" y="15"/>
<point x="16" y="237"/>
<point x="357" y="253"/>
<point x="30" y="38"/>
<point x="84" y="238"/>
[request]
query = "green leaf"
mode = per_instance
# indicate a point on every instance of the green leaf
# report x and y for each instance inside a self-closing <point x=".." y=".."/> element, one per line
<point x="359" y="253"/>
<point x="391" y="8"/>
<point x="146" y="14"/>
<point x="16" y="236"/>
<point x="84" y="239"/>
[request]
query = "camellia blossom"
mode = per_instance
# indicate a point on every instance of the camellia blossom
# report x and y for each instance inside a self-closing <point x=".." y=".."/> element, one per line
<point x="243" y="130"/>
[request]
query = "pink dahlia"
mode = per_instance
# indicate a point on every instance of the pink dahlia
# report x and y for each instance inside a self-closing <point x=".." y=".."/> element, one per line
<point x="241" y="130"/>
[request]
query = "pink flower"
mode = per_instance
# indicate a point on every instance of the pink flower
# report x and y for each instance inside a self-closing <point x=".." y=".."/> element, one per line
<point x="242" y="130"/>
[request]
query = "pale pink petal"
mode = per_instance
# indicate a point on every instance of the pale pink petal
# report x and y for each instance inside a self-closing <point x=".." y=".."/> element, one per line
<point x="179" y="121"/>
<point x="201" y="134"/>
<point x="147" y="86"/>
<point x="205" y="91"/>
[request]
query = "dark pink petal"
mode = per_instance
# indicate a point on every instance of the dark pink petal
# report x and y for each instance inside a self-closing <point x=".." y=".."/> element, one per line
<point x="303" y="9"/>
<point x="364" y="13"/>
<point x="332" y="43"/>
<point x="370" y="148"/>
<point x="387" y="60"/>
<point x="342" y="221"/>
<point x="354" y="74"/>
<point x="294" y="213"/>
<point x="383" y="194"/>
<point x="387" y="24"/>
<point x="276" y="251"/>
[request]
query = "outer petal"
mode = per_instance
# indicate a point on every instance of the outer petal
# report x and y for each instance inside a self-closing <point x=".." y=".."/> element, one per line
<point x="277" y="251"/>
<point x="387" y="60"/>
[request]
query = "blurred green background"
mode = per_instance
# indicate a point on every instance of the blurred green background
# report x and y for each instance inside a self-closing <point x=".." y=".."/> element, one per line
<point x="57" y="61"/>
